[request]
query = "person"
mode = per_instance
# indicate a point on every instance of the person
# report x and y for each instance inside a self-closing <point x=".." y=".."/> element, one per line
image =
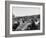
<point x="15" y="25"/>
<point x="34" y="27"/>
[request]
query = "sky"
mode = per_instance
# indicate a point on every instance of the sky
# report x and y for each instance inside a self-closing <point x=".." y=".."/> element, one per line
<point x="25" y="11"/>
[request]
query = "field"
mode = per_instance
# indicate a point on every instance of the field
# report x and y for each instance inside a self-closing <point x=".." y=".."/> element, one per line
<point x="26" y="23"/>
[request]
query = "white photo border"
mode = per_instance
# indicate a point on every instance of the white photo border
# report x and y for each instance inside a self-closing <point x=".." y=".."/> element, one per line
<point x="31" y="31"/>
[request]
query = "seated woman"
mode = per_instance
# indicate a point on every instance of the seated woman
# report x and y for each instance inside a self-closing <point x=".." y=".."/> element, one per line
<point x="15" y="25"/>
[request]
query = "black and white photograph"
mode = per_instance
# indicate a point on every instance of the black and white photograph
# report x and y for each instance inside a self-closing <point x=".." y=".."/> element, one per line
<point x="27" y="20"/>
